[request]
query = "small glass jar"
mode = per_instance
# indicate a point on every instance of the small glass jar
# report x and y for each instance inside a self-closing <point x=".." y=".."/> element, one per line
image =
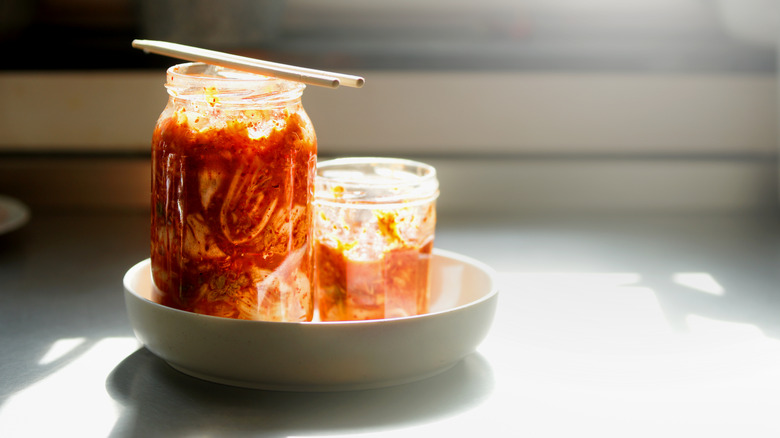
<point x="233" y="166"/>
<point x="374" y="229"/>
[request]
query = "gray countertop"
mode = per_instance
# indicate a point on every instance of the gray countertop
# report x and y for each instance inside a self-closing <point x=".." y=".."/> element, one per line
<point x="665" y="325"/>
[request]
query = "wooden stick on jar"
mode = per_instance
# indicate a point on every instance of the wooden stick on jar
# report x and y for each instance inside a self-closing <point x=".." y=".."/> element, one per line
<point x="283" y="71"/>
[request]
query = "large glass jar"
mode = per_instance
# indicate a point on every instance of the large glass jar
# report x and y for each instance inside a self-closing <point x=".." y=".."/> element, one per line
<point x="233" y="162"/>
<point x="374" y="228"/>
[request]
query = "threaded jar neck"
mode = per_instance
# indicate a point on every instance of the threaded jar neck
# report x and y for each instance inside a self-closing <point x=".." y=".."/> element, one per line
<point x="369" y="182"/>
<point x="218" y="86"/>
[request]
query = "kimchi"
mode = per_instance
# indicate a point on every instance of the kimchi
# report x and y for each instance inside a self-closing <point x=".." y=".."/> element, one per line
<point x="233" y="162"/>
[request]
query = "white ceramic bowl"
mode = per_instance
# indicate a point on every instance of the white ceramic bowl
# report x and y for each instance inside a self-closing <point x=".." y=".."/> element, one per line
<point x="322" y="356"/>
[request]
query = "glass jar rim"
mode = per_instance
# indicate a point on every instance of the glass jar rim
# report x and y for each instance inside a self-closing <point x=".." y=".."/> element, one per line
<point x="188" y="79"/>
<point x="375" y="181"/>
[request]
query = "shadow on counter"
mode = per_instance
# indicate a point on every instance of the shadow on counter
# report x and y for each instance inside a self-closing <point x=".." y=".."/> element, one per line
<point x="159" y="400"/>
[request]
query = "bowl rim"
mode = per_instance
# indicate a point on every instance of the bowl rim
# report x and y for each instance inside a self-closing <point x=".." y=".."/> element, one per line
<point x="490" y="272"/>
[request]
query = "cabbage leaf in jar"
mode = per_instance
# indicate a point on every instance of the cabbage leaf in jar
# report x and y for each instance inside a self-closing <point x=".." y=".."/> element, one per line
<point x="231" y="209"/>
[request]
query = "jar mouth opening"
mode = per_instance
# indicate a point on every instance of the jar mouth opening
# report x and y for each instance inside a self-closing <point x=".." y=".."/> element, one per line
<point x="374" y="181"/>
<point x="189" y="79"/>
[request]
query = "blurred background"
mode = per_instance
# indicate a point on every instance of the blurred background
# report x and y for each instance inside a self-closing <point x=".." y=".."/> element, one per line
<point x="518" y="35"/>
<point x="543" y="105"/>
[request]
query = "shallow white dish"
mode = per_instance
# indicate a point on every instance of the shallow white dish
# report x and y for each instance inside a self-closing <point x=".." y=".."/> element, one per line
<point x="322" y="356"/>
<point x="13" y="214"/>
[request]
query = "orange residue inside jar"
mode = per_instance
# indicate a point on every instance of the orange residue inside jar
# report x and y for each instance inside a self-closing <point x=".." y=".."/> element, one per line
<point x="395" y="284"/>
<point x="211" y="95"/>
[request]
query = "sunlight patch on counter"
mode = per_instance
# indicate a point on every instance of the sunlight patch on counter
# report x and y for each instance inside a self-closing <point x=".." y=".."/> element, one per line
<point x="700" y="281"/>
<point x="70" y="398"/>
<point x="603" y="355"/>
<point x="60" y="349"/>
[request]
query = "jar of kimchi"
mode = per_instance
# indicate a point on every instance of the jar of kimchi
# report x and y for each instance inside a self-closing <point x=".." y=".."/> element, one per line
<point x="374" y="229"/>
<point x="233" y="163"/>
